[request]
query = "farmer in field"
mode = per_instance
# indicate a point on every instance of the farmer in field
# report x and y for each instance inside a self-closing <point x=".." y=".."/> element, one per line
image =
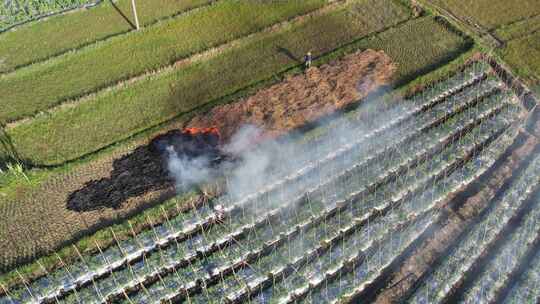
<point x="307" y="60"/>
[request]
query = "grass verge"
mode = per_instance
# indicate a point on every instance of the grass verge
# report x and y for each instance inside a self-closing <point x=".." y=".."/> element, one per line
<point x="105" y="64"/>
<point x="491" y="14"/>
<point x="119" y="114"/>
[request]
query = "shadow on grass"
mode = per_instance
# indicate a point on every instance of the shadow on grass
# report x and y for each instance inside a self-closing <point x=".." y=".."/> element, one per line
<point x="8" y="152"/>
<point x="122" y="15"/>
<point x="288" y="53"/>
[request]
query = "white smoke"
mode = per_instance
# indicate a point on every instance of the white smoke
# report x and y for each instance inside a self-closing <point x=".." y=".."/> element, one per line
<point x="257" y="165"/>
<point x="243" y="139"/>
<point x="188" y="171"/>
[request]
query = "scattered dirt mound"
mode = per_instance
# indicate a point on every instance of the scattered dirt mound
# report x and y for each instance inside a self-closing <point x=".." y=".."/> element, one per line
<point x="304" y="98"/>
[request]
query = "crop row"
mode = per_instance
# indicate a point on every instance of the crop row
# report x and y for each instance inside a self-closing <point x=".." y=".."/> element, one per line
<point x="332" y="185"/>
<point x="496" y="273"/>
<point x="368" y="149"/>
<point x="439" y="188"/>
<point x="377" y="218"/>
<point x="527" y="288"/>
<point x="355" y="281"/>
<point x="448" y="274"/>
<point x="378" y="211"/>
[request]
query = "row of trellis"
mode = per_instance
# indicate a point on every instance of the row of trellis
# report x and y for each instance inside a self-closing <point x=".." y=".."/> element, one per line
<point x="323" y="229"/>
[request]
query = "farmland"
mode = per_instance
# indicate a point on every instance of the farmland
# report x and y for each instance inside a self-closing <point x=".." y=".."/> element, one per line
<point x="111" y="67"/>
<point x="74" y="31"/>
<point x="516" y="27"/>
<point x="47" y="136"/>
<point x="402" y="166"/>
<point x="13" y="13"/>
<point x="353" y="209"/>
<point x="492" y="14"/>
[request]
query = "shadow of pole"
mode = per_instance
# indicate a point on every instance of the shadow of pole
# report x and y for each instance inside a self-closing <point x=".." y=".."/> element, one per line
<point x="8" y="152"/>
<point x="288" y="53"/>
<point x="123" y="15"/>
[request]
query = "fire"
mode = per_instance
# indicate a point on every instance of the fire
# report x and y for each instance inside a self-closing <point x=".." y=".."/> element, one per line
<point x="196" y="131"/>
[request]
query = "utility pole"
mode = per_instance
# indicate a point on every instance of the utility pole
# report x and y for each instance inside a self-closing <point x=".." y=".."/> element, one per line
<point x="134" y="8"/>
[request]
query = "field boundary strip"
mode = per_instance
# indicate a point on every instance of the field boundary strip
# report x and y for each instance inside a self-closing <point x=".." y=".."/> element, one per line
<point x="93" y="43"/>
<point x="167" y="69"/>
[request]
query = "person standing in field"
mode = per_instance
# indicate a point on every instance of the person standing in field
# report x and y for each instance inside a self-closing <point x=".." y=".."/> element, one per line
<point x="307" y="60"/>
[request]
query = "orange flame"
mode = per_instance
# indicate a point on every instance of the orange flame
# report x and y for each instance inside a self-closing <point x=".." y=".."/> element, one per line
<point x="195" y="131"/>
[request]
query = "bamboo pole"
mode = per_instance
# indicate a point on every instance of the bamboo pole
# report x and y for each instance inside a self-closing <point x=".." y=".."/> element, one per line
<point x="134" y="8"/>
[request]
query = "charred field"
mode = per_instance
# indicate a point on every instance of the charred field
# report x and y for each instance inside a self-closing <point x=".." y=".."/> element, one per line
<point x="403" y="166"/>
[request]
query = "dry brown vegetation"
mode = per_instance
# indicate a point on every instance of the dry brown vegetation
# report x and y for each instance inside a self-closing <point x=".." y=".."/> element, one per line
<point x="305" y="97"/>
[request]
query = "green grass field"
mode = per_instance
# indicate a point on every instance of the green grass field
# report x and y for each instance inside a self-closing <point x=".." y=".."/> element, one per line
<point x="418" y="46"/>
<point x="26" y="45"/>
<point x="519" y="29"/>
<point x="517" y="25"/>
<point x="491" y="14"/>
<point x="130" y="55"/>
<point x="116" y="115"/>
<point x="524" y="55"/>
